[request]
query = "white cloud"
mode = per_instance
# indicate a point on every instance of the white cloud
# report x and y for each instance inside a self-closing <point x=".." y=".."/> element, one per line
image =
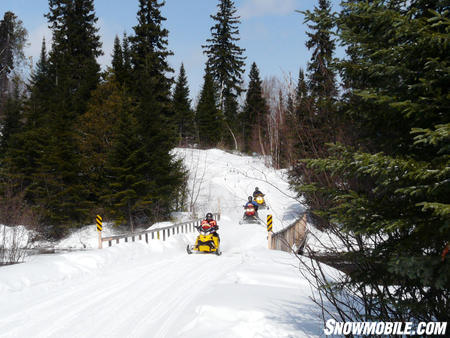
<point x="255" y="8"/>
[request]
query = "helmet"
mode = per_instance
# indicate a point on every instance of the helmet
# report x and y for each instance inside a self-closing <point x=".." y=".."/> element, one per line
<point x="250" y="198"/>
<point x="256" y="188"/>
<point x="209" y="216"/>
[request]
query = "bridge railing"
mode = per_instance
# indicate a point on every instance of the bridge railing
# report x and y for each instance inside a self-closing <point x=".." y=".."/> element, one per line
<point x="158" y="233"/>
<point x="291" y="238"/>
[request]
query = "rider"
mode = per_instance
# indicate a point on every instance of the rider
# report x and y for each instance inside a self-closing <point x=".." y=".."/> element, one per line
<point x="257" y="193"/>
<point x="251" y="202"/>
<point x="210" y="223"/>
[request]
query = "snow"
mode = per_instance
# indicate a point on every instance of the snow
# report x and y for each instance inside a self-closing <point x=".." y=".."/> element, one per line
<point x="157" y="289"/>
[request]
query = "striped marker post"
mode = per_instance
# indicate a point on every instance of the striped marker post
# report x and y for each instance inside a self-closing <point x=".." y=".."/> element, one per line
<point x="269" y="231"/>
<point x="99" y="230"/>
<point x="269" y="223"/>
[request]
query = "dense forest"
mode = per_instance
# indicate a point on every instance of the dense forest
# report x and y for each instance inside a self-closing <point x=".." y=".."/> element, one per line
<point x="364" y="138"/>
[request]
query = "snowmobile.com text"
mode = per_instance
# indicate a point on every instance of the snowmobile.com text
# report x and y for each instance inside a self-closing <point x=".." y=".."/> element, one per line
<point x="333" y="327"/>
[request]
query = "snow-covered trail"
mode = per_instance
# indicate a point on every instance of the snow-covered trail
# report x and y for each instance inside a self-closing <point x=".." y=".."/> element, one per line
<point x="162" y="294"/>
<point x="143" y="300"/>
<point x="158" y="290"/>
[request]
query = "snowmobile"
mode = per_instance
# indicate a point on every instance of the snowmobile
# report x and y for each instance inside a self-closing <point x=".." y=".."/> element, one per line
<point x="206" y="242"/>
<point x="250" y="215"/>
<point x="261" y="202"/>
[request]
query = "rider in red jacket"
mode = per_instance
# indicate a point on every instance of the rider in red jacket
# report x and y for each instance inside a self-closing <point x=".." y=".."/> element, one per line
<point x="208" y="223"/>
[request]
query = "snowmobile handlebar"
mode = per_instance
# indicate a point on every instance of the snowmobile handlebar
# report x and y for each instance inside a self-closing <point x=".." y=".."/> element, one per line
<point x="201" y="229"/>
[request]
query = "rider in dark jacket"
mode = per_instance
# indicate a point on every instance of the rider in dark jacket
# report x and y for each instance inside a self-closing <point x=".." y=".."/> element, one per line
<point x="257" y="193"/>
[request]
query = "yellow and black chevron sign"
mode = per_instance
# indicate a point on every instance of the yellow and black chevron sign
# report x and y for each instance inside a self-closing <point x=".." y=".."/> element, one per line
<point x="99" y="223"/>
<point x="269" y="222"/>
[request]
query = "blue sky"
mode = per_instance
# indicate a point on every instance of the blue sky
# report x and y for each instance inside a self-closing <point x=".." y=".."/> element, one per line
<point x="272" y="33"/>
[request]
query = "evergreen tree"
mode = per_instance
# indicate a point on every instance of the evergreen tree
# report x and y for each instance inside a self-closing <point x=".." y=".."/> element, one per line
<point x="150" y="65"/>
<point x="390" y="199"/>
<point x="76" y="46"/>
<point x="254" y="125"/>
<point x="95" y="134"/>
<point x="71" y="73"/>
<point x="117" y="62"/>
<point x="315" y="104"/>
<point x="12" y="123"/>
<point x="12" y="42"/>
<point x="21" y="159"/>
<point x="126" y="53"/>
<point x="126" y="197"/>
<point x="184" y="115"/>
<point x="288" y="134"/>
<point x="304" y="134"/>
<point x="322" y="82"/>
<point x="121" y="61"/>
<point x="159" y="175"/>
<point x="225" y="59"/>
<point x="209" y="119"/>
<point x="40" y="88"/>
<point x="302" y="106"/>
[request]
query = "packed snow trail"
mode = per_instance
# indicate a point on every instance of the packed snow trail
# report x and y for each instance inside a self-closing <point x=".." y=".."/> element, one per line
<point x="158" y="290"/>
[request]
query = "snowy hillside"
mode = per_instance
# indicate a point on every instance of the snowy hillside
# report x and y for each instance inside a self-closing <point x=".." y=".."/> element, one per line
<point x="157" y="290"/>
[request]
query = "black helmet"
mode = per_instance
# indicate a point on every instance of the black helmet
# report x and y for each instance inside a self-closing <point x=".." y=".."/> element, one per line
<point x="209" y="216"/>
<point x="250" y="198"/>
<point x="256" y="188"/>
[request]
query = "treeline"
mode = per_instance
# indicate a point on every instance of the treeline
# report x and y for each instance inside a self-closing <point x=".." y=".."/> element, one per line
<point x="77" y="141"/>
<point x="371" y="157"/>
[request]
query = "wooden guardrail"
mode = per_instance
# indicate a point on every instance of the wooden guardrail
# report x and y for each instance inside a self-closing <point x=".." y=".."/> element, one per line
<point x="291" y="238"/>
<point x="159" y="233"/>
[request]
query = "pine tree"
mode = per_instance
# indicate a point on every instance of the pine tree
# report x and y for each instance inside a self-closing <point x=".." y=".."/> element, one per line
<point x="209" y="119"/>
<point x="184" y="115"/>
<point x="296" y="111"/>
<point x="12" y="123"/>
<point x="127" y="69"/>
<point x="254" y="125"/>
<point x="225" y="59"/>
<point x="315" y="105"/>
<point x="21" y="159"/>
<point x="121" y="61"/>
<point x="392" y="196"/>
<point x="125" y="190"/>
<point x="12" y="42"/>
<point x="305" y="132"/>
<point x="57" y="188"/>
<point x="150" y="69"/>
<point x="159" y="175"/>
<point x="288" y="133"/>
<point x="322" y="82"/>
<point x="117" y="62"/>
<point x="302" y="104"/>
<point x="95" y="134"/>
<point x="40" y="88"/>
<point x="76" y="45"/>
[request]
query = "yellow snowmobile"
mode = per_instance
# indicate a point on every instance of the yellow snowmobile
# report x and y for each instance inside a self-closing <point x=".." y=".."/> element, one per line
<point x="207" y="242"/>
<point x="261" y="202"/>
